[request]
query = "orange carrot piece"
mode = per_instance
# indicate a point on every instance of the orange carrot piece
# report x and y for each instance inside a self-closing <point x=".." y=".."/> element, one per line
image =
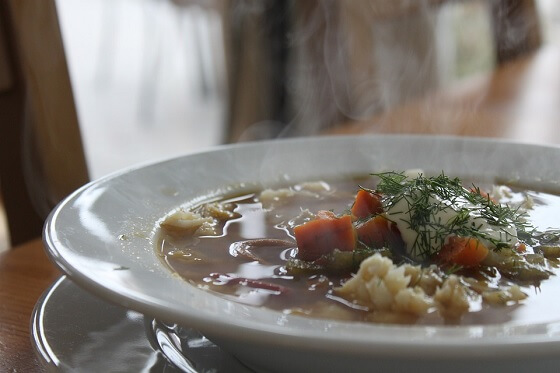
<point x="520" y="247"/>
<point x="324" y="234"/>
<point x="379" y="232"/>
<point x="366" y="204"/>
<point x="465" y="251"/>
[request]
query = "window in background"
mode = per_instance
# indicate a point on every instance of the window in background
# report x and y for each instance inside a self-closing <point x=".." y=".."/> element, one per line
<point x="465" y="42"/>
<point x="549" y="12"/>
<point x="146" y="76"/>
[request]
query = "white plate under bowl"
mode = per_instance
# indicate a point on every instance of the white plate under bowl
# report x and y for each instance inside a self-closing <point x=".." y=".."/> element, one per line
<point x="75" y="331"/>
<point x="102" y="237"/>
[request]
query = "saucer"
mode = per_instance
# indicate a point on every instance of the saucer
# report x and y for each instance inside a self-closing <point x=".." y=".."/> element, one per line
<point x="72" y="330"/>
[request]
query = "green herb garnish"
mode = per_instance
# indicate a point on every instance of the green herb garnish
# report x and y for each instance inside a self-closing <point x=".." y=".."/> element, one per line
<point x="424" y="200"/>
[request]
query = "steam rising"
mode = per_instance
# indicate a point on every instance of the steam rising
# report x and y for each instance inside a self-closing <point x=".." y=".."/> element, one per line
<point x="337" y="61"/>
<point x="300" y="68"/>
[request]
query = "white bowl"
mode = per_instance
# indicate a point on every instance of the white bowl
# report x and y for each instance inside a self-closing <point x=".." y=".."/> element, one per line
<point x="103" y="237"/>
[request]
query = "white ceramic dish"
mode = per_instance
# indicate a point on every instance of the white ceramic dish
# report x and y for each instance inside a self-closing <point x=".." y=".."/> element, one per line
<point x="102" y="236"/>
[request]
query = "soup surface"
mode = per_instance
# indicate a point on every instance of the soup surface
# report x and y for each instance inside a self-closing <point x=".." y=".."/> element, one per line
<point x="245" y="248"/>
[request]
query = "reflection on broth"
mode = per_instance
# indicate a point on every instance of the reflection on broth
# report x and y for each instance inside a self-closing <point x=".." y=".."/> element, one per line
<point x="482" y="255"/>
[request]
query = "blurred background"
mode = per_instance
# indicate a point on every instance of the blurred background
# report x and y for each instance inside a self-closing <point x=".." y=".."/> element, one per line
<point x="150" y="80"/>
<point x="154" y="79"/>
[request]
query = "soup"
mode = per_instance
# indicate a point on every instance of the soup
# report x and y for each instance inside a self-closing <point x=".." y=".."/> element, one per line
<point x="345" y="249"/>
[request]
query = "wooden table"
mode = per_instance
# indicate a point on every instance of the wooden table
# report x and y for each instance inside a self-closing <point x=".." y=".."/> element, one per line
<point x="25" y="272"/>
<point x="519" y="101"/>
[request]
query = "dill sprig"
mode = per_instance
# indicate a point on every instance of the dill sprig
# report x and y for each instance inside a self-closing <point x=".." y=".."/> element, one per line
<point x="427" y="199"/>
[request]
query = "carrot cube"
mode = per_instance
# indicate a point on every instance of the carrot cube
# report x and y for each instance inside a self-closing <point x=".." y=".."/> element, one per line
<point x="324" y="234"/>
<point x="366" y="204"/>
